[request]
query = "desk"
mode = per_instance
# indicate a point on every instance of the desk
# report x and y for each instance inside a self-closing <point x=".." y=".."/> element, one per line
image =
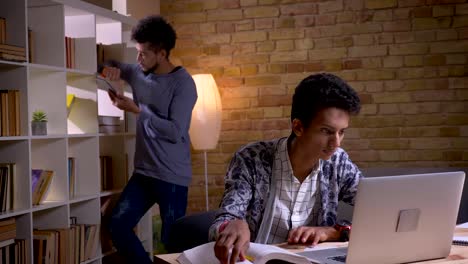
<point x="458" y="254"/>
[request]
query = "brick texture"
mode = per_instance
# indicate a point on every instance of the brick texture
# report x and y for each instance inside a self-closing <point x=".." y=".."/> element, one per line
<point x="406" y="58"/>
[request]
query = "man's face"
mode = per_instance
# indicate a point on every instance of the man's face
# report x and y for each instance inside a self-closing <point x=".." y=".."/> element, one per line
<point x="324" y="134"/>
<point x="148" y="58"/>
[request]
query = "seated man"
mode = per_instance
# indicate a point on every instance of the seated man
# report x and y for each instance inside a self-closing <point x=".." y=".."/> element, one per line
<point x="288" y="189"/>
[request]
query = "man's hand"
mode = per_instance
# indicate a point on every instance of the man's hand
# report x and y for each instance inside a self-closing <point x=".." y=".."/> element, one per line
<point x="236" y="235"/>
<point x="112" y="75"/>
<point x="124" y="103"/>
<point x="312" y="235"/>
<point x="118" y="99"/>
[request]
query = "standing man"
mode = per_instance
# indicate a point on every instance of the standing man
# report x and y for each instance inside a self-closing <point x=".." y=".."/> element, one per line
<point x="163" y="98"/>
<point x="287" y="189"/>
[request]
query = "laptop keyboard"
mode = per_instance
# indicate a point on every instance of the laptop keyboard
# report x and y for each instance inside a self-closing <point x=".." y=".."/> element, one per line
<point x="339" y="258"/>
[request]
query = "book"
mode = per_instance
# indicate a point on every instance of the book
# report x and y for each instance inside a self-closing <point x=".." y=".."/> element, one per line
<point x="2" y="30"/>
<point x="40" y="180"/>
<point x="460" y="240"/>
<point x="70" y="101"/>
<point x="256" y="254"/>
<point x="106" y="85"/>
<point x="11" y="57"/>
<point x="12" y="48"/>
<point x="31" y="43"/>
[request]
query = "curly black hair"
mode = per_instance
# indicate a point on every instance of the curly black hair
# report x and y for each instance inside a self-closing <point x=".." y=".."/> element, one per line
<point x="320" y="91"/>
<point x="155" y="30"/>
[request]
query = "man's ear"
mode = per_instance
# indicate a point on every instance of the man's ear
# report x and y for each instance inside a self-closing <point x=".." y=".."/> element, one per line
<point x="163" y="53"/>
<point x="297" y="127"/>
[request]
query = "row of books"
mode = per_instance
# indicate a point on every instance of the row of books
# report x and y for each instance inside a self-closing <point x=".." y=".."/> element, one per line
<point x="10" y="124"/>
<point x="109" y="124"/>
<point x="12" y="250"/>
<point x="7" y="177"/>
<point x="41" y="180"/>
<point x="76" y="244"/>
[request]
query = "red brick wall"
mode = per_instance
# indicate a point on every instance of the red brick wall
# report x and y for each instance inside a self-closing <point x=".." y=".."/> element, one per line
<point x="407" y="59"/>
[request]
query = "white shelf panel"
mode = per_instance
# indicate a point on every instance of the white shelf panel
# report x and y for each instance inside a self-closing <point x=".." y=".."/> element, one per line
<point x="84" y="198"/>
<point x="102" y="15"/>
<point x="13" y="138"/>
<point x="47" y="25"/>
<point x="10" y="64"/>
<point x="49" y="136"/>
<point x="14" y="213"/>
<point x="112" y="134"/>
<point x="86" y="212"/>
<point x="15" y="14"/>
<point x="90" y="260"/>
<point x="111" y="192"/>
<point x="46" y="92"/>
<point x="76" y="73"/>
<point x="51" y="217"/>
<point x="49" y="154"/>
<point x="85" y="153"/>
<point x="85" y="135"/>
<point x="48" y="205"/>
<point x="36" y="66"/>
<point x="17" y="152"/>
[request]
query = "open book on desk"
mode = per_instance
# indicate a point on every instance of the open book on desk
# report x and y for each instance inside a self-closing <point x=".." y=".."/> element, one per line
<point x="256" y="254"/>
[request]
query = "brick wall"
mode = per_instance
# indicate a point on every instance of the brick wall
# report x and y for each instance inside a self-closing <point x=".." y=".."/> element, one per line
<point x="406" y="58"/>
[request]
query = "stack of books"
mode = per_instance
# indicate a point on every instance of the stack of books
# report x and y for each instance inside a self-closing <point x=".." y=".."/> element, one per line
<point x="109" y="124"/>
<point x="9" y="52"/>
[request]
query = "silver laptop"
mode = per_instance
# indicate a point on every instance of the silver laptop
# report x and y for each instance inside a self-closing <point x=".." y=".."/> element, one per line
<point x="399" y="219"/>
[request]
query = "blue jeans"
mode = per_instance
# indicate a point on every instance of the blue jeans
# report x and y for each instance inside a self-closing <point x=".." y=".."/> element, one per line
<point x="140" y="194"/>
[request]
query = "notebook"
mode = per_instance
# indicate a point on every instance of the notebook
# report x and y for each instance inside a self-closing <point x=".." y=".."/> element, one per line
<point x="393" y="214"/>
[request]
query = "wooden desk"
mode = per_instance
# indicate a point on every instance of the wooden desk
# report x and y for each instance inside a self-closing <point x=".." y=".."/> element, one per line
<point x="458" y="254"/>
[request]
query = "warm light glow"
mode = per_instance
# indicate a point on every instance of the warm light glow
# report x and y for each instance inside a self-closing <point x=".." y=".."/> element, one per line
<point x="206" y="115"/>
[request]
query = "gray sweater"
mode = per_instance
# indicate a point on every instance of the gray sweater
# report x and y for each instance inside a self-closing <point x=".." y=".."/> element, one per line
<point x="166" y="101"/>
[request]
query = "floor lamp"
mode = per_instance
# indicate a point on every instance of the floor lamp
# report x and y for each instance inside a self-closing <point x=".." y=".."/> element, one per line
<point x="206" y="119"/>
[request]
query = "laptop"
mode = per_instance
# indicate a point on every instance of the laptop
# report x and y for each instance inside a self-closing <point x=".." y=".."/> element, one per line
<point x="399" y="219"/>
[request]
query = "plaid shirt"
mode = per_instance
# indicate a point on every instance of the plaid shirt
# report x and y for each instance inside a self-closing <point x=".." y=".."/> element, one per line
<point x="248" y="185"/>
<point x="294" y="200"/>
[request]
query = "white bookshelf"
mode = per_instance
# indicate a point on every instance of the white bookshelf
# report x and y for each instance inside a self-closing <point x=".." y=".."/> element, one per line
<point x="44" y="84"/>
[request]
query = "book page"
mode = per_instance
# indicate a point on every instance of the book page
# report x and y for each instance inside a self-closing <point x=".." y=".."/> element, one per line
<point x="261" y="253"/>
<point x="256" y="254"/>
<point x="202" y="254"/>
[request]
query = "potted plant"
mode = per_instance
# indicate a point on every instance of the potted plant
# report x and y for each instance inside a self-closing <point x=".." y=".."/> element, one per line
<point x="39" y="123"/>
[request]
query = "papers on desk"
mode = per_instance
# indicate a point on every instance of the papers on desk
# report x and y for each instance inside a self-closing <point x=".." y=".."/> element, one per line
<point x="464" y="225"/>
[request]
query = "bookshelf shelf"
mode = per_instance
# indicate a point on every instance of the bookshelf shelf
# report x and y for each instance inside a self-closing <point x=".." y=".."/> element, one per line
<point x="78" y="73"/>
<point x="14" y="138"/>
<point x="73" y="145"/>
<point x="111" y="192"/>
<point x="43" y="67"/>
<point x="78" y="199"/>
<point x="11" y="64"/>
<point x="48" y="205"/>
<point x="13" y="213"/>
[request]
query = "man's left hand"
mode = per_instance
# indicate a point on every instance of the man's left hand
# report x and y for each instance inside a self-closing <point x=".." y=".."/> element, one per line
<point x="312" y="235"/>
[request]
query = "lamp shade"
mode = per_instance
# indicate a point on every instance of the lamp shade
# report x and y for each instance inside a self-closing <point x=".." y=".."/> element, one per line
<point x="206" y="115"/>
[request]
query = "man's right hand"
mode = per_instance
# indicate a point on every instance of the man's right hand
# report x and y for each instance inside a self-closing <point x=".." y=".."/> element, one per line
<point x="235" y="236"/>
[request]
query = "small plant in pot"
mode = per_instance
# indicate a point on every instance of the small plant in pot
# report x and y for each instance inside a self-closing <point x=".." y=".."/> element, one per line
<point x="39" y="123"/>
